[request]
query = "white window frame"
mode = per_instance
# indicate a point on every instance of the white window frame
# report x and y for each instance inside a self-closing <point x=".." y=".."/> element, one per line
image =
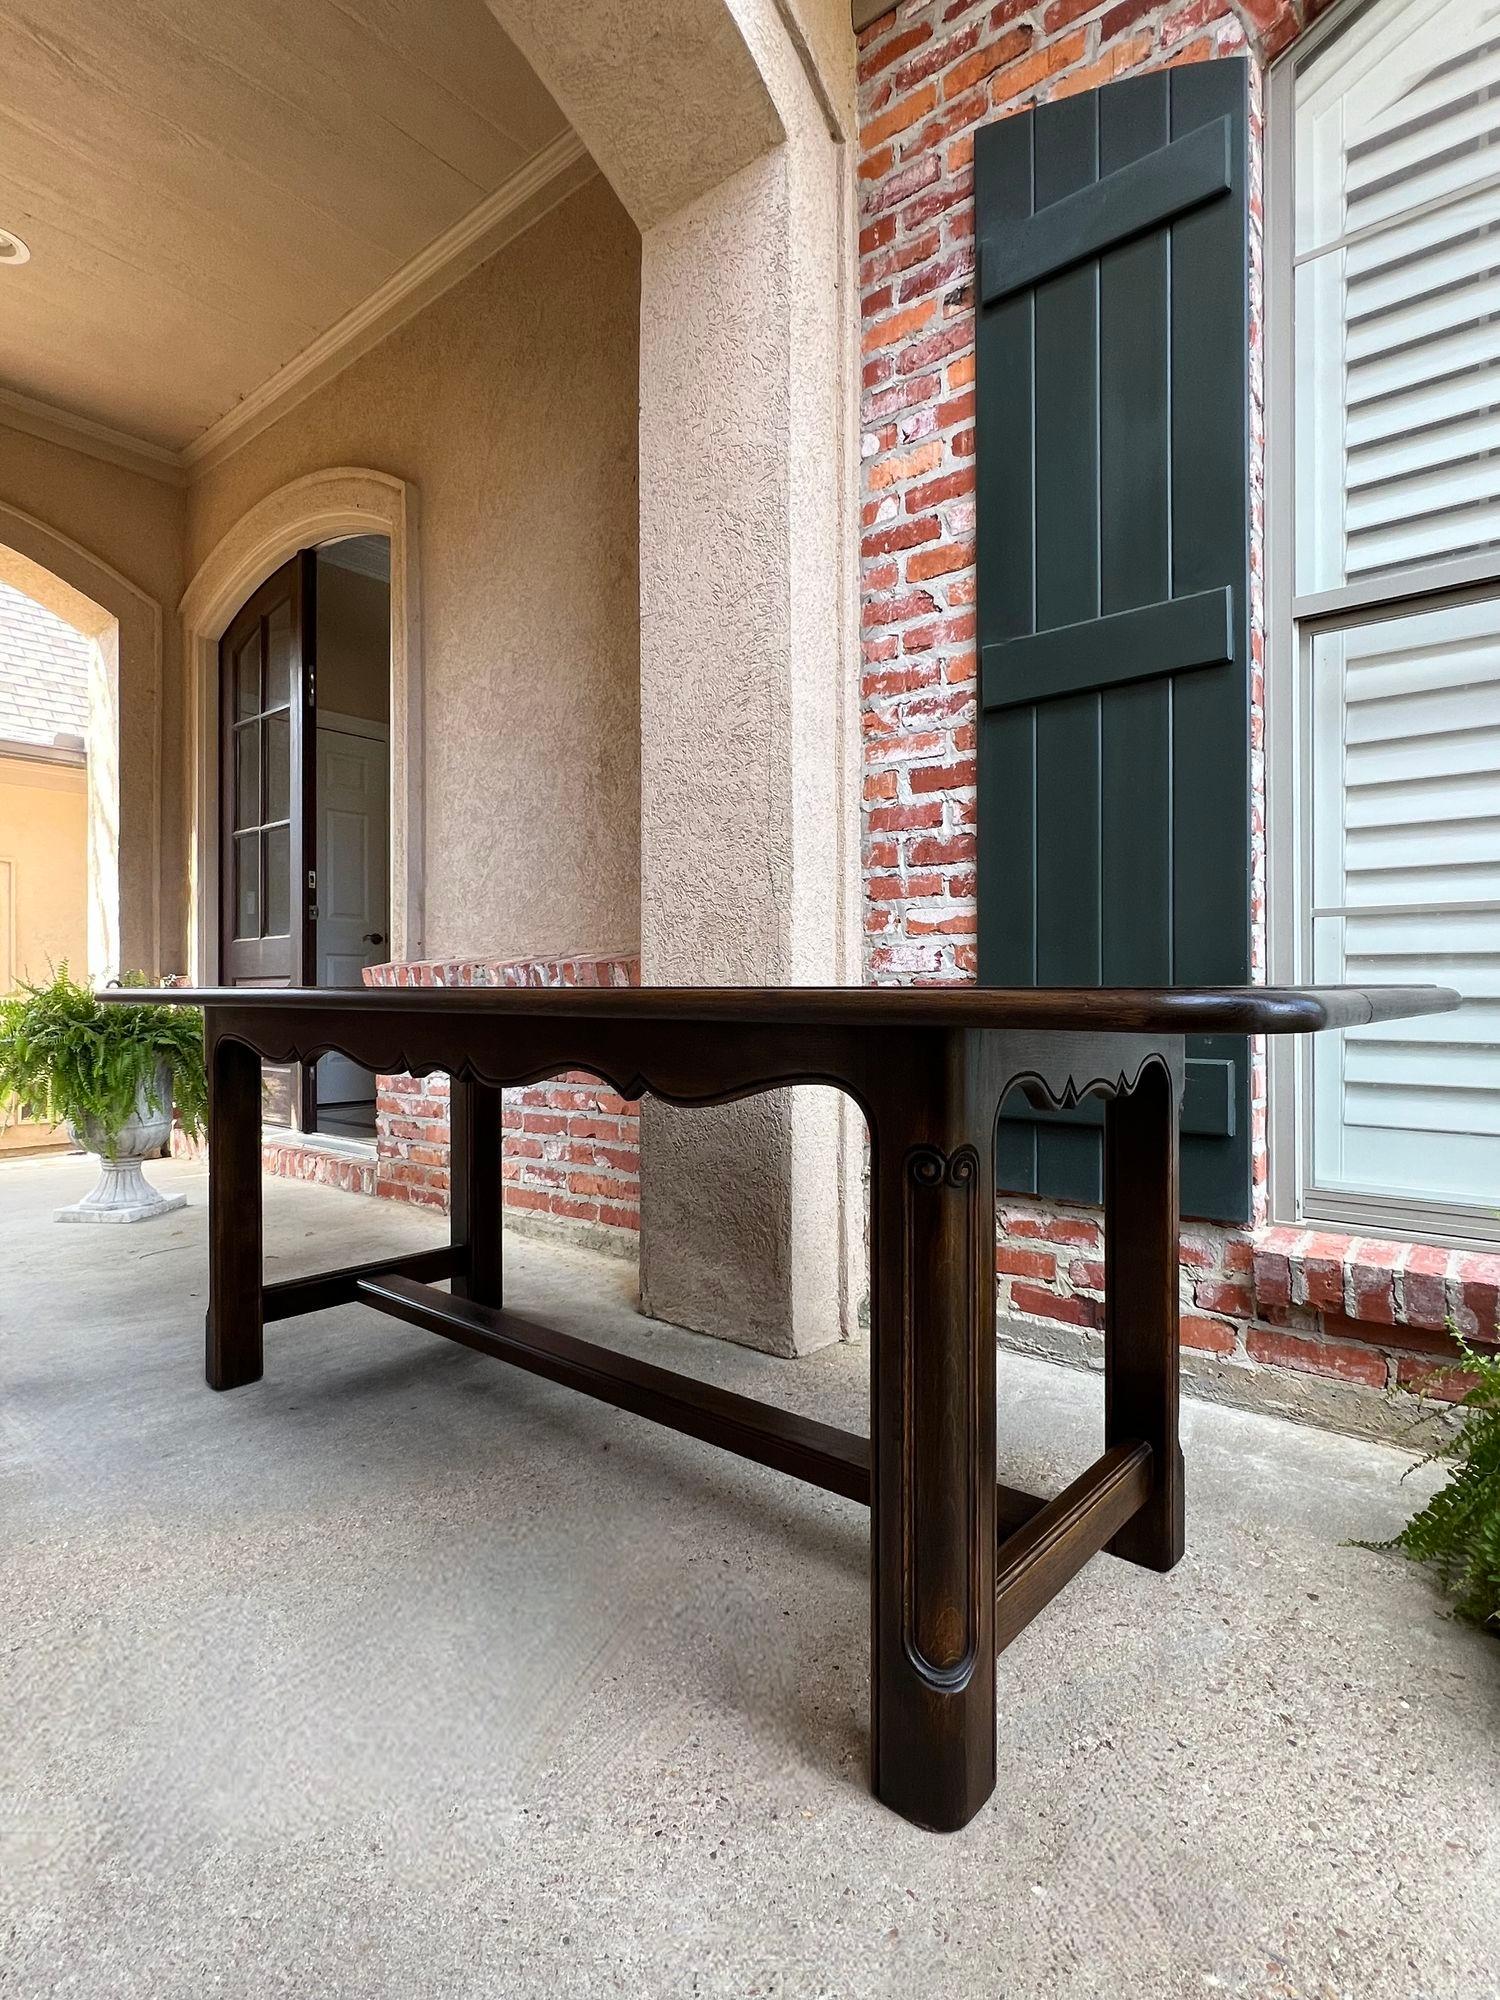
<point x="1292" y="622"/>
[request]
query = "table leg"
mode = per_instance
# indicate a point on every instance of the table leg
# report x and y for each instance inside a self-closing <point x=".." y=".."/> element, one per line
<point x="1140" y="1306"/>
<point x="933" y="1436"/>
<point x="233" y="1330"/>
<point x="476" y="1187"/>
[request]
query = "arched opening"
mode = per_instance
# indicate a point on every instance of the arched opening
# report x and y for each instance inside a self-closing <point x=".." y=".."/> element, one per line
<point x="118" y="630"/>
<point x="45" y="671"/>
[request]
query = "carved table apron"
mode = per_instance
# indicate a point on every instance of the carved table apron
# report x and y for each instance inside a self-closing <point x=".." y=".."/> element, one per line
<point x="959" y="1564"/>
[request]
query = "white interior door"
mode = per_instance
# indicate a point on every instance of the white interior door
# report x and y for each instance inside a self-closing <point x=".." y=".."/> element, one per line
<point x="353" y="878"/>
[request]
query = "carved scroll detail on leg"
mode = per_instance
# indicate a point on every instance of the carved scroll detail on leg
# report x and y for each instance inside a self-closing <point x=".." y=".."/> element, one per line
<point x="940" y="1582"/>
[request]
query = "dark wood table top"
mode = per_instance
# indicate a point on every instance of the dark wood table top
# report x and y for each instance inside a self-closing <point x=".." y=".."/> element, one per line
<point x="1149" y="1010"/>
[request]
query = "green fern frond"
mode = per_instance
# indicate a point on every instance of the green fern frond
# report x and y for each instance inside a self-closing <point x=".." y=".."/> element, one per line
<point x="64" y="1056"/>
<point x="1457" y="1534"/>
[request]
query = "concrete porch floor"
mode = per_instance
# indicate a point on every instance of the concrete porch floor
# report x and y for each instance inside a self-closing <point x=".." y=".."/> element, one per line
<point x="404" y="1673"/>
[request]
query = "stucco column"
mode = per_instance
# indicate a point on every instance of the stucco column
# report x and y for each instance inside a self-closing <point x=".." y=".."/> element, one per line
<point x="723" y="132"/>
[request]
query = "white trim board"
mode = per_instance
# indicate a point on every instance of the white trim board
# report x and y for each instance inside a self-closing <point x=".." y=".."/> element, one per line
<point x="547" y="179"/>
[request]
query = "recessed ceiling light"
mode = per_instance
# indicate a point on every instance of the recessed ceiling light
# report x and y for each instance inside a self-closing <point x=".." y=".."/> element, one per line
<point x="12" y="249"/>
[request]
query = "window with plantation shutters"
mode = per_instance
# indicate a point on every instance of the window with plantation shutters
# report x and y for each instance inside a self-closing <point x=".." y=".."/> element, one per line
<point x="1384" y="694"/>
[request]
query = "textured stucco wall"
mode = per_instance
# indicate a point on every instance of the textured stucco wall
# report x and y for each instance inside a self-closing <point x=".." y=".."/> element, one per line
<point x="671" y="105"/>
<point x="134" y="525"/>
<point x="724" y="129"/>
<point x="747" y="853"/>
<point x="511" y="403"/>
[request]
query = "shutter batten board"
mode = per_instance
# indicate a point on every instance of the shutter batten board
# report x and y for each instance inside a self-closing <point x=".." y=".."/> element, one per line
<point x="1113" y="572"/>
<point x="1126" y="203"/>
<point x="1172" y="637"/>
<point x="1065" y="417"/>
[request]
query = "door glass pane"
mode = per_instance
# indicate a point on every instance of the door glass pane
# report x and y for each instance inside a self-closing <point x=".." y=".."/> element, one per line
<point x="247" y="885"/>
<point x="276" y="1094"/>
<point x="247" y="774"/>
<point x="247" y="676"/>
<point x="278" y="881"/>
<point x="279" y="657"/>
<point x="278" y="729"/>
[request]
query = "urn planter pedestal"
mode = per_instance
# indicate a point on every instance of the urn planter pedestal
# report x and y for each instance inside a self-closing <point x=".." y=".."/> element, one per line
<point x="122" y="1192"/>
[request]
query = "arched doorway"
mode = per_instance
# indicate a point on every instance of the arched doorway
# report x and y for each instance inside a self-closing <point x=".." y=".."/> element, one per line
<point x="324" y="508"/>
<point x="301" y="634"/>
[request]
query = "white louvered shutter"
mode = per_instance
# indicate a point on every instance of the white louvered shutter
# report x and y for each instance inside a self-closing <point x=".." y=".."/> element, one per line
<point x="1405" y="840"/>
<point x="1398" y="294"/>
<point x="1396" y="316"/>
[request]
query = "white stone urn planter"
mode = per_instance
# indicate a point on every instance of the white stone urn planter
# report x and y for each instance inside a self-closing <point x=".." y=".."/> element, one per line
<point x="122" y="1193"/>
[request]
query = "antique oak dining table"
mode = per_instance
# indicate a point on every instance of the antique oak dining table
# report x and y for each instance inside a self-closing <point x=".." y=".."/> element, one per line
<point x="960" y="1563"/>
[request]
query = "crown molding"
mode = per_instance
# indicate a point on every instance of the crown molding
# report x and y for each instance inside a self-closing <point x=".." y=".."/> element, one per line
<point x="548" y="178"/>
<point x="77" y="433"/>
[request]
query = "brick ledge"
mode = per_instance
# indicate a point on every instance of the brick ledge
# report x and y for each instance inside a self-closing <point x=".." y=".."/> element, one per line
<point x="1369" y="1282"/>
<point x="1354" y="1309"/>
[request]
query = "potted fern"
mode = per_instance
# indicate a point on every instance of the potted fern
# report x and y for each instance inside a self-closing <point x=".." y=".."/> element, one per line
<point x="113" y="1074"/>
<point x="1457" y="1534"/>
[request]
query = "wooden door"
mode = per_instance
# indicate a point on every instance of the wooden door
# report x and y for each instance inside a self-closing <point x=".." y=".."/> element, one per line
<point x="353" y="885"/>
<point x="267" y="698"/>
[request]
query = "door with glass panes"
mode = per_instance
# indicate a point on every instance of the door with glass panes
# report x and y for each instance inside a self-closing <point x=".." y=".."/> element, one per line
<point x="267" y="887"/>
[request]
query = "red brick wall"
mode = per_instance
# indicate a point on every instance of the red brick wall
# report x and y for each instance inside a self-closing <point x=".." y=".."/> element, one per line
<point x="1351" y="1310"/>
<point x="928" y="76"/>
<point x="572" y="1147"/>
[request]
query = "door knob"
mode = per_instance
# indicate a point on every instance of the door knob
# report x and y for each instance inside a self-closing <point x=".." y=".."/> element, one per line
<point x="373" y="937"/>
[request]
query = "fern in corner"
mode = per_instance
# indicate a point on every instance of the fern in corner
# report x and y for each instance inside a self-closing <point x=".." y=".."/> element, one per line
<point x="1458" y="1532"/>
<point x="63" y="1055"/>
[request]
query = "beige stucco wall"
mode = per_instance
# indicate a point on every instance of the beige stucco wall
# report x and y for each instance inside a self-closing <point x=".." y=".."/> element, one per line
<point x="133" y="525"/>
<point x="511" y="403"/>
<point x="727" y="131"/>
<point x="354" y="643"/>
<point x="43" y="883"/>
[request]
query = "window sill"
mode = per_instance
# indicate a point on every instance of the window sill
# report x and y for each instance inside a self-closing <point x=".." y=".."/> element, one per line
<point x="1371" y="1283"/>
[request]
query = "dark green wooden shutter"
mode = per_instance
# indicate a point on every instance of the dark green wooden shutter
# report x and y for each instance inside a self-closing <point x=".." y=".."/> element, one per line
<point x="1114" y="585"/>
